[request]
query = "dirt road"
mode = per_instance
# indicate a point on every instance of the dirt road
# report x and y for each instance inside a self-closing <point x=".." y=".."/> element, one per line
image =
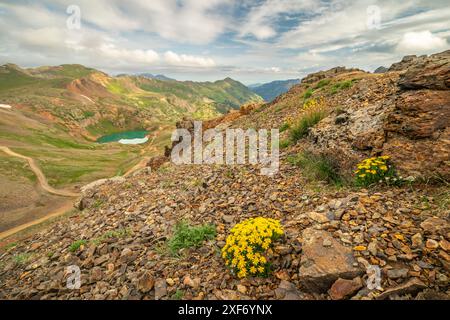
<point x="68" y="206"/>
<point x="41" y="177"/>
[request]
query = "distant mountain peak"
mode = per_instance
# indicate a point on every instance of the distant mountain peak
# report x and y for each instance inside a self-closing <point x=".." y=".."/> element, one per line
<point x="269" y="91"/>
<point x="156" y="77"/>
<point x="11" y="66"/>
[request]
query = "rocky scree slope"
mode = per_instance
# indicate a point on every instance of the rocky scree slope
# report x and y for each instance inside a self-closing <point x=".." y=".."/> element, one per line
<point x="331" y="235"/>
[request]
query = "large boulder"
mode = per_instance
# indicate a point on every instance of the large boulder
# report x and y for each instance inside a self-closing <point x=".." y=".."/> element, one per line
<point x="420" y="114"/>
<point x="320" y="265"/>
<point x="428" y="73"/>
<point x="406" y="62"/>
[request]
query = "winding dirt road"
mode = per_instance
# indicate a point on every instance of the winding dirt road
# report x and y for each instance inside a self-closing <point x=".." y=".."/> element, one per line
<point x="41" y="177"/>
<point x="66" y="207"/>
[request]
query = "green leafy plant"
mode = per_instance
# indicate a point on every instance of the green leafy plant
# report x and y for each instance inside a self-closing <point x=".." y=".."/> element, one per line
<point x="114" y="234"/>
<point x="22" y="258"/>
<point x="178" y="295"/>
<point x="341" y="86"/>
<point x="11" y="245"/>
<point x="186" y="236"/>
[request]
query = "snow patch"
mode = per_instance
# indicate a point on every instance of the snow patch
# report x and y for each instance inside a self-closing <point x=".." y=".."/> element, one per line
<point x="133" y="141"/>
<point x="5" y="106"/>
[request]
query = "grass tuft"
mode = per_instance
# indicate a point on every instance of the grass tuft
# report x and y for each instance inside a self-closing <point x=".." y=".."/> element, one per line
<point x="285" y="144"/>
<point x="317" y="167"/>
<point x="284" y="127"/>
<point x="323" y="83"/>
<point x="308" y="94"/>
<point x="22" y="258"/>
<point x="343" y="85"/>
<point x="308" y="120"/>
<point x="75" y="246"/>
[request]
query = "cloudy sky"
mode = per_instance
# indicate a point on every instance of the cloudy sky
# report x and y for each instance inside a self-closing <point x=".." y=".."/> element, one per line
<point x="252" y="41"/>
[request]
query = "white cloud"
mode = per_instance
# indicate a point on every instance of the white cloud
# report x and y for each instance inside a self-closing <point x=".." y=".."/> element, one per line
<point x="42" y="38"/>
<point x="311" y="56"/>
<point x="131" y="56"/>
<point x="261" y="19"/>
<point x="254" y="39"/>
<point x="273" y="69"/>
<point x="418" y="42"/>
<point x="188" y="21"/>
<point x="184" y="60"/>
<point x="346" y="26"/>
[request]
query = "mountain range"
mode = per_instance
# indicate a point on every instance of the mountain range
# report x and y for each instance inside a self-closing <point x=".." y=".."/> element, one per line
<point x="269" y="91"/>
<point x="149" y="76"/>
<point x="157" y="77"/>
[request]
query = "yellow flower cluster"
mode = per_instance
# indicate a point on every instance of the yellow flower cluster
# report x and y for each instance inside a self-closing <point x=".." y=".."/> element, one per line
<point x="245" y="246"/>
<point x="313" y="104"/>
<point x="373" y="170"/>
<point x="372" y="166"/>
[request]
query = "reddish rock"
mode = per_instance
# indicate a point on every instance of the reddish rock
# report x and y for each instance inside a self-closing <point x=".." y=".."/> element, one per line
<point x="146" y="282"/>
<point x="428" y="72"/>
<point x="435" y="225"/>
<point x="419" y="114"/>
<point x="322" y="266"/>
<point x="344" y="288"/>
<point x="411" y="286"/>
<point x="156" y="162"/>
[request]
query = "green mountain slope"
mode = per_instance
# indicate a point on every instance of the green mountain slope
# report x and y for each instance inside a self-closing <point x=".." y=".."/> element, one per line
<point x="270" y="91"/>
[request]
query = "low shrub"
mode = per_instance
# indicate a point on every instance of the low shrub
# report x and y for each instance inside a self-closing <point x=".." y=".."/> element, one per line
<point x="323" y="83"/>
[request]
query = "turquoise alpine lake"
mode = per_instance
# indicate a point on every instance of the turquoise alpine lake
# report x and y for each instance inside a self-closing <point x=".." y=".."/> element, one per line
<point x="126" y="137"/>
